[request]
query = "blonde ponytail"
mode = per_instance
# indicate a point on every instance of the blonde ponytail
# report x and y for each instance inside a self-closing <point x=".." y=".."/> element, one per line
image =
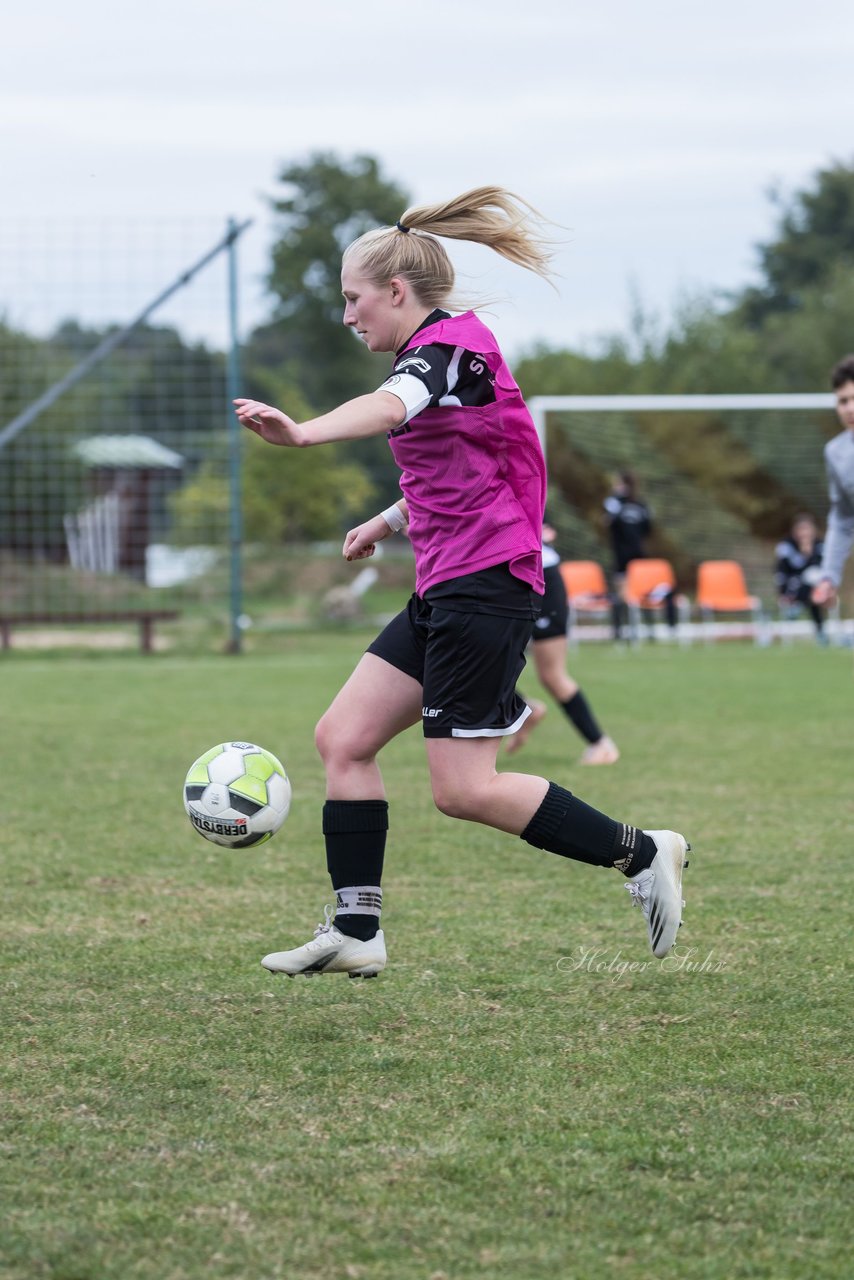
<point x="485" y="215"/>
<point x="491" y="216"/>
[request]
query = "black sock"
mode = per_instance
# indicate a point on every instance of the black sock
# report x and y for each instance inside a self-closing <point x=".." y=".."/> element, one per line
<point x="577" y="708"/>
<point x="636" y="850"/>
<point x="565" y="825"/>
<point x="355" y="832"/>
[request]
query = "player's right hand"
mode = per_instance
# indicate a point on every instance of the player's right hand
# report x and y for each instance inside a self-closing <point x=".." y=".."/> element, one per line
<point x="270" y="424"/>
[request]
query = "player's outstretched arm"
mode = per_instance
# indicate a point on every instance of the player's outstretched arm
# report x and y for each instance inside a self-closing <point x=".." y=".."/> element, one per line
<point x="369" y="415"/>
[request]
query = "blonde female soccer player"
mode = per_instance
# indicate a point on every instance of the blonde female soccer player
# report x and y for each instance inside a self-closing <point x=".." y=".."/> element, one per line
<point x="473" y="485"/>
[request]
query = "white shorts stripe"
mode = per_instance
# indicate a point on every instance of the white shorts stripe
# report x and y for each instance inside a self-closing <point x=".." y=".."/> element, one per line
<point x="493" y="733"/>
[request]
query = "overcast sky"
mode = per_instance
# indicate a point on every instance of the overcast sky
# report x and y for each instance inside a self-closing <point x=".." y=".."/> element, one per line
<point x="651" y="131"/>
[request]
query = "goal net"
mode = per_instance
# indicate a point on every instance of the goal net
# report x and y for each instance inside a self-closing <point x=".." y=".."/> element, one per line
<point x="724" y="475"/>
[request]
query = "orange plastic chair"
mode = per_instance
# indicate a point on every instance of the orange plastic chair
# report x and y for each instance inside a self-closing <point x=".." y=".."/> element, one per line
<point x="647" y="581"/>
<point x="646" y="585"/>
<point x="584" y="580"/>
<point x="586" y="590"/>
<point x="721" y="588"/>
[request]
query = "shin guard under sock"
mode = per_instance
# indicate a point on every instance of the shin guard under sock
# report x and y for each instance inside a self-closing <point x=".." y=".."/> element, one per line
<point x="355" y="832"/>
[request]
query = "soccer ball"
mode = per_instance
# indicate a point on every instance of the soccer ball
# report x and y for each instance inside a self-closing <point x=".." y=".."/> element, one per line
<point x="237" y="795"/>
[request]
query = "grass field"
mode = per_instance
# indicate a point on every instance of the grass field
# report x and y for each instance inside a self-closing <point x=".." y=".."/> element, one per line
<point x="524" y="1093"/>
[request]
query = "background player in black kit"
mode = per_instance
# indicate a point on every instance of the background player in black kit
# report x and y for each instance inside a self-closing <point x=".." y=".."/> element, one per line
<point x="629" y="521"/>
<point x="549" y="645"/>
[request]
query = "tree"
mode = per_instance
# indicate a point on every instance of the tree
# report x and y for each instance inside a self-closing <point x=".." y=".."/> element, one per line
<point x="329" y="203"/>
<point x="289" y="495"/>
<point x="40" y="480"/>
<point x="802" y="346"/>
<point x="815" y="240"/>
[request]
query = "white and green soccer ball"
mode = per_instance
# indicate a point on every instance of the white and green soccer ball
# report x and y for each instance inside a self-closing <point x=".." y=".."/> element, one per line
<point x="237" y="795"/>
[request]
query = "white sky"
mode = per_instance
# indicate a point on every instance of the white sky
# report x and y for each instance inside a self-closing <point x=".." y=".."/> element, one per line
<point x="652" y="131"/>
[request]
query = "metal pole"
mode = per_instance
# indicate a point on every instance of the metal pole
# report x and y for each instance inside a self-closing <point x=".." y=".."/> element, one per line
<point x="234" y="388"/>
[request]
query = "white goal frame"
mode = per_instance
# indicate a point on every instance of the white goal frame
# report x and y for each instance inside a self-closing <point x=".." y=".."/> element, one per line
<point x="541" y="406"/>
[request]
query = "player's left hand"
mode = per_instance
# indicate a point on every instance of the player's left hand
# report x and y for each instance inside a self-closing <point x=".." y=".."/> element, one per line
<point x="824" y="593"/>
<point x="362" y="541"/>
<point x="270" y="424"/>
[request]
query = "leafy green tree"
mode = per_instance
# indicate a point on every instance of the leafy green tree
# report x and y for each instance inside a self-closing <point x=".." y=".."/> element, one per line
<point x="328" y="202"/>
<point x="289" y="495"/>
<point x="781" y="335"/>
<point x="814" y="242"/>
<point x="800" y="347"/>
<point x="545" y="371"/>
<point x="301" y="494"/>
<point x="39" y="478"/>
<point x="707" y="350"/>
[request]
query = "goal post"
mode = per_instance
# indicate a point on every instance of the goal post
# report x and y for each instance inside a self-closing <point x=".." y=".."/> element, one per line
<point x="724" y="475"/>
<point x="541" y="405"/>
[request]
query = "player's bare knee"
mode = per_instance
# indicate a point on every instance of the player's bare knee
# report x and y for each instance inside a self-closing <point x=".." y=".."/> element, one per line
<point x="455" y="802"/>
<point x="330" y="740"/>
<point x="341" y="745"/>
<point x="450" y="804"/>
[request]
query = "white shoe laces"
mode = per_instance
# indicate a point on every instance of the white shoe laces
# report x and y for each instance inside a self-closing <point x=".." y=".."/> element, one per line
<point x="638" y="891"/>
<point x="328" y="917"/>
<point x="327" y="927"/>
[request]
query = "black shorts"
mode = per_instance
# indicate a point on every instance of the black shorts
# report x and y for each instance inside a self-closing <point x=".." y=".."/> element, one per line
<point x="466" y="660"/>
<point x="554" y="619"/>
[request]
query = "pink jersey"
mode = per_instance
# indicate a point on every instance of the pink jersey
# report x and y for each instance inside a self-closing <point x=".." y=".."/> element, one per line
<point x="474" y="477"/>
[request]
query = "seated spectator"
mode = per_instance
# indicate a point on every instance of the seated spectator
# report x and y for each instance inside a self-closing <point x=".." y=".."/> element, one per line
<point x="798" y="569"/>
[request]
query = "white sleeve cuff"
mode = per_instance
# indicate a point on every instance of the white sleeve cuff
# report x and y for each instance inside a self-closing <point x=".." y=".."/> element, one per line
<point x="410" y="390"/>
<point x="394" y="518"/>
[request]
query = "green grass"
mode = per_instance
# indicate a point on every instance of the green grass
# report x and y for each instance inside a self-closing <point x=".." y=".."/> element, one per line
<point x="524" y="1093"/>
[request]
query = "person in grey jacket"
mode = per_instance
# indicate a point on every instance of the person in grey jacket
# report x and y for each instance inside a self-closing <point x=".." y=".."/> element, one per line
<point x="839" y="462"/>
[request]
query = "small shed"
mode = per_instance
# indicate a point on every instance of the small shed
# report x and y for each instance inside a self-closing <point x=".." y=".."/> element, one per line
<point x="112" y="533"/>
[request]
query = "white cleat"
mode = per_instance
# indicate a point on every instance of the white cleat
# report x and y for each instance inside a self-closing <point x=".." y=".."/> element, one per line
<point x="330" y="951"/>
<point x="602" y="752"/>
<point x="658" y="890"/>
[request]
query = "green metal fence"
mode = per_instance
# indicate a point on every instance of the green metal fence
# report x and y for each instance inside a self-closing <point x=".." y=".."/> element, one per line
<point x="117" y="368"/>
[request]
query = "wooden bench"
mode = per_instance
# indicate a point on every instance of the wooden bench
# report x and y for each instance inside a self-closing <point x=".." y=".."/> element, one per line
<point x="144" y="618"/>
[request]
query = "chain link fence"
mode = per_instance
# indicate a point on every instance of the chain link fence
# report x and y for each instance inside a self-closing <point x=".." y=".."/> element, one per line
<point x="121" y="464"/>
<point x="114" y="348"/>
